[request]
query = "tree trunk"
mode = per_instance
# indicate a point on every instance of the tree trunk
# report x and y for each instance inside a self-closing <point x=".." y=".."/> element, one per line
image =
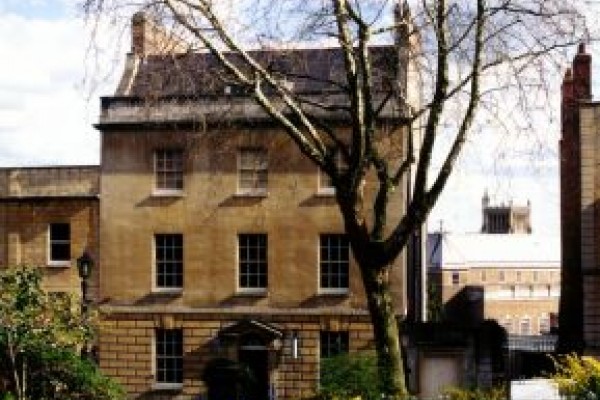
<point x="15" y="369"/>
<point x="386" y="332"/>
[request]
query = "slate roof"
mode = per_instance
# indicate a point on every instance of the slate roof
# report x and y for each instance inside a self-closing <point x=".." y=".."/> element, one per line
<point x="200" y="74"/>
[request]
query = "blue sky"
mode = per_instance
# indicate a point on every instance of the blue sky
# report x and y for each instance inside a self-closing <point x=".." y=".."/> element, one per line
<point x="49" y="94"/>
<point x="45" y="9"/>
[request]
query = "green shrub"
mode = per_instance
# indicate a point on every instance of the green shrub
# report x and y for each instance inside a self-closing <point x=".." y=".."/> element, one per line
<point x="349" y="376"/>
<point x="63" y="374"/>
<point x="39" y="338"/>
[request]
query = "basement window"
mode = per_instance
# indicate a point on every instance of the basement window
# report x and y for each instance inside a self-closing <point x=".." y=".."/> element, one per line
<point x="333" y="343"/>
<point x="168" y="358"/>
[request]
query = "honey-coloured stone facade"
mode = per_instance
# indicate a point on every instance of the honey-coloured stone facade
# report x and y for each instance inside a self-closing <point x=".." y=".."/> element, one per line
<point x="126" y="343"/>
<point x="33" y="198"/>
<point x="209" y="213"/>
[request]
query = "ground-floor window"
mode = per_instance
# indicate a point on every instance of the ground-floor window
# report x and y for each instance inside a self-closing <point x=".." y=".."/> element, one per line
<point x="169" y="356"/>
<point x="333" y="343"/>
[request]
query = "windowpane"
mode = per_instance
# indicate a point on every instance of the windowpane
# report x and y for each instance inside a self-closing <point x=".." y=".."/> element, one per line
<point x="334" y="262"/>
<point x="169" y="260"/>
<point x="60" y="242"/>
<point x="253" y="170"/>
<point x="455" y="278"/>
<point x="544" y="323"/>
<point x="333" y="343"/>
<point x="525" y="326"/>
<point x="168" y="169"/>
<point x="169" y="355"/>
<point x="252" y="256"/>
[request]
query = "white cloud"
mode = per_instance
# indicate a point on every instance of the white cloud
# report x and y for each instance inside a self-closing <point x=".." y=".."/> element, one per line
<point x="45" y="115"/>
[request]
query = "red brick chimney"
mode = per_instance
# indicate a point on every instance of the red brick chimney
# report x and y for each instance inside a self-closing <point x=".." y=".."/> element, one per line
<point x="576" y="87"/>
<point x="582" y="75"/>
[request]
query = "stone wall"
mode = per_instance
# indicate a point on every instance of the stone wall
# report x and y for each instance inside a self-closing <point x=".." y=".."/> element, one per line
<point x="126" y="349"/>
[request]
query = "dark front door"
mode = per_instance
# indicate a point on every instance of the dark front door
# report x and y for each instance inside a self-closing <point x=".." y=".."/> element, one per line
<point x="255" y="361"/>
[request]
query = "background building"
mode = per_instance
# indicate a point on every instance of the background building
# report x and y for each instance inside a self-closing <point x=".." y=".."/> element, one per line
<point x="517" y="274"/>
<point x="580" y="152"/>
<point x="576" y="144"/>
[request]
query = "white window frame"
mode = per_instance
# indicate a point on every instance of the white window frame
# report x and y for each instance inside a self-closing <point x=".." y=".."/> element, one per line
<point x="177" y="170"/>
<point x="326" y="187"/>
<point x="544" y="319"/>
<point x="508" y="321"/>
<point x="522" y="321"/>
<point x="249" y="289"/>
<point x="51" y="242"/>
<point x="155" y="284"/>
<point x="340" y="289"/>
<point x="157" y="385"/>
<point x="261" y="166"/>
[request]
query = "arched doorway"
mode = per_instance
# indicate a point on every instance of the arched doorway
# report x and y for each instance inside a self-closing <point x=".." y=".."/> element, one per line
<point x="253" y="356"/>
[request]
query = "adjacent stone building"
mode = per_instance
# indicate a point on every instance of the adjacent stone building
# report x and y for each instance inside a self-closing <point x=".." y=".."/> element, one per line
<point x="48" y="218"/>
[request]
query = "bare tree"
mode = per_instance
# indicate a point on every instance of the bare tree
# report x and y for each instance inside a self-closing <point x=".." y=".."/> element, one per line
<point x="461" y="57"/>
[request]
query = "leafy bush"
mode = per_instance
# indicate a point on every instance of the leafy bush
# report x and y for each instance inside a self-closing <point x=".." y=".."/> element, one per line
<point x="496" y="393"/>
<point x="349" y="376"/>
<point x="39" y="340"/>
<point x="578" y="378"/>
<point x="63" y="374"/>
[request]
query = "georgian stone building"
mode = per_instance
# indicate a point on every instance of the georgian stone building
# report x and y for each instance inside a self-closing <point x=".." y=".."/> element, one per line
<point x="222" y="248"/>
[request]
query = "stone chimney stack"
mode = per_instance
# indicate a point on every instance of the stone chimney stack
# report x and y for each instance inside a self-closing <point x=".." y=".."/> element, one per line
<point x="150" y="37"/>
<point x="402" y="43"/>
<point x="147" y="37"/>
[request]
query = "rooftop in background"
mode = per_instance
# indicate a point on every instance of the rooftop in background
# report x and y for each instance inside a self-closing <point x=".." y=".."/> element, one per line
<point x="453" y="250"/>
